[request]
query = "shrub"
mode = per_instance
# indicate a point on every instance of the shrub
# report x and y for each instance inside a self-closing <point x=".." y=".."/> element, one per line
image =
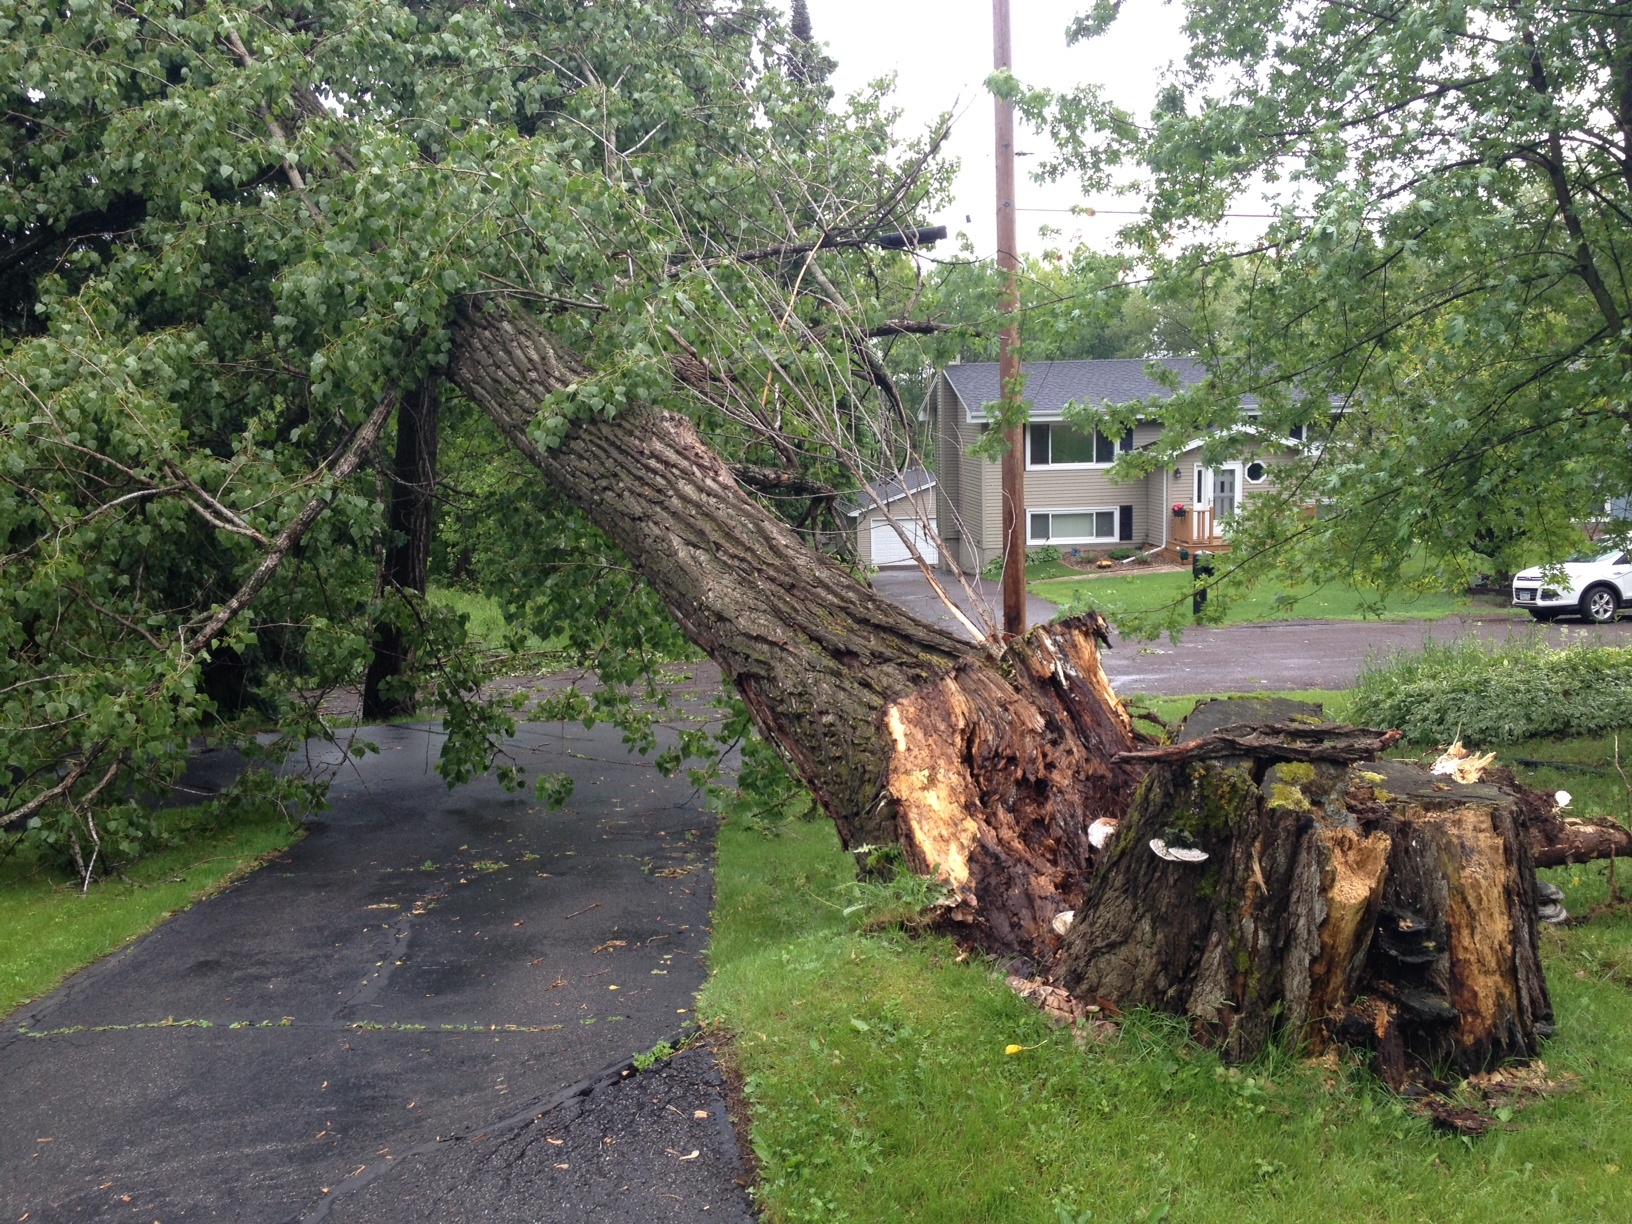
<point x="1492" y="693"/>
<point x="993" y="569"/>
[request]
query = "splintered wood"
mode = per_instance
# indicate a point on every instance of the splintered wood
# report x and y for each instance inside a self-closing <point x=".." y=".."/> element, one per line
<point x="995" y="779"/>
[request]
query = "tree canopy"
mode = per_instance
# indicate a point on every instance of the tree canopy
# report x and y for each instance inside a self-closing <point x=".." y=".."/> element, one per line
<point x="1443" y="298"/>
<point x="233" y="240"/>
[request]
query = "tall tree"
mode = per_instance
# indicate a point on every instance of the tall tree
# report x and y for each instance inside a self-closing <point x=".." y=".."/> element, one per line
<point x="405" y="566"/>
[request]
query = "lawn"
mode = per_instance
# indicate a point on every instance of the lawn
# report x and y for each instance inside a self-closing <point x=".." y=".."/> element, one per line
<point x="1120" y="595"/>
<point x="48" y="928"/>
<point x="874" y="1064"/>
<point x="484" y="619"/>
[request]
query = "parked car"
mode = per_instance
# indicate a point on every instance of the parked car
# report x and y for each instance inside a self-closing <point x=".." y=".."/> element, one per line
<point x="1596" y="584"/>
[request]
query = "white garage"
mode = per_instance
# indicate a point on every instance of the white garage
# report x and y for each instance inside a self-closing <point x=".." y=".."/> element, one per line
<point x="910" y="498"/>
<point x="887" y="548"/>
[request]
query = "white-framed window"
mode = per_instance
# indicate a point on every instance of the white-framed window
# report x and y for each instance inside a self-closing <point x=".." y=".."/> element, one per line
<point x="1053" y="444"/>
<point x="1094" y="526"/>
<point x="1256" y="472"/>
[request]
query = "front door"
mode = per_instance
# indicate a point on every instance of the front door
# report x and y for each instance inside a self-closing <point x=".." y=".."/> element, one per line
<point x="1219" y="490"/>
<point x="1226" y="481"/>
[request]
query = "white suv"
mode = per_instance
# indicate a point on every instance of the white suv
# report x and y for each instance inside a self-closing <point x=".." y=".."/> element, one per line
<point x="1596" y="585"/>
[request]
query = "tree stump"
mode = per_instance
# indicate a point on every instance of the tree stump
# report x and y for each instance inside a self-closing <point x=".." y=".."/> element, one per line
<point x="1362" y="901"/>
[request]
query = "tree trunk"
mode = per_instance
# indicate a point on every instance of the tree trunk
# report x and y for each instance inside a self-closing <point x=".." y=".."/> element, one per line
<point x="1323" y="900"/>
<point x="408" y="549"/>
<point x="984" y="774"/>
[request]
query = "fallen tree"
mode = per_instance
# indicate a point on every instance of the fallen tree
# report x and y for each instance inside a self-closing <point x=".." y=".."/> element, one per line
<point x="988" y="773"/>
<point x="982" y="771"/>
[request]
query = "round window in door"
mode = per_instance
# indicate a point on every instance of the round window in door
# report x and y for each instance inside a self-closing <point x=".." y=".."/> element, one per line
<point x="1256" y="473"/>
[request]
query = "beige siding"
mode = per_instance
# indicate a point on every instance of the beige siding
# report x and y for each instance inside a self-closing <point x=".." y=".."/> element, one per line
<point x="974" y="488"/>
<point x="960" y="477"/>
<point x="972" y="503"/>
<point x="1159" y="498"/>
<point x="917" y="508"/>
<point x="971" y="489"/>
<point x="1088" y="489"/>
<point x="1184" y="487"/>
<point x="948" y="465"/>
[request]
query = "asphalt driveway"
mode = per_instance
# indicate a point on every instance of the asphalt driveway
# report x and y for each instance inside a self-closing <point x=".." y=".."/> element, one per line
<point x="1308" y="654"/>
<point x="1303" y="654"/>
<point x="427" y="977"/>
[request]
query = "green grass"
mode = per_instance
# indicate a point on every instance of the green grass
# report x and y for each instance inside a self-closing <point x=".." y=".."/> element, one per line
<point x="1037" y="571"/>
<point x="875" y="1067"/>
<point x="1130" y="594"/>
<point x="484" y="619"/>
<point x="1337" y="703"/>
<point x="48" y="929"/>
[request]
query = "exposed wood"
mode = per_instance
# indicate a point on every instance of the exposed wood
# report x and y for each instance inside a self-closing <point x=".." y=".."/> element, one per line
<point x="1368" y="902"/>
<point x="996" y="777"/>
<point x="1557" y="838"/>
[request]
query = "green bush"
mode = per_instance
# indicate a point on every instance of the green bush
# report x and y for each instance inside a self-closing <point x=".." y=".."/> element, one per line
<point x="993" y="569"/>
<point x="1493" y="693"/>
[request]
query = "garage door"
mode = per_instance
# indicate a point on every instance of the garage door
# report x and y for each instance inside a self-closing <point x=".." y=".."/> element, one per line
<point x="888" y="548"/>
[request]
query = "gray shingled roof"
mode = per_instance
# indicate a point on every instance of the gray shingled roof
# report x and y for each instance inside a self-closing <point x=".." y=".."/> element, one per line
<point x="1051" y="385"/>
<point x="883" y="492"/>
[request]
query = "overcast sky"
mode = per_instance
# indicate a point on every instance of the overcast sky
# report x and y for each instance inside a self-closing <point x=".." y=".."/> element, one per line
<point x="941" y="54"/>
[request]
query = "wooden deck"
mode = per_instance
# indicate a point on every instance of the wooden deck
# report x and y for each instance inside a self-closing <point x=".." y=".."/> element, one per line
<point x="1197" y="529"/>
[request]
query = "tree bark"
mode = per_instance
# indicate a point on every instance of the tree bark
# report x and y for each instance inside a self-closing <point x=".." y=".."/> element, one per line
<point x="409" y="525"/>
<point x="1557" y="839"/>
<point x="1368" y="902"/>
<point x="985" y="775"/>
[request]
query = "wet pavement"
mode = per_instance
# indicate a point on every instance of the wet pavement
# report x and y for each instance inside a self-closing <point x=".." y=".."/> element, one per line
<point x="1305" y="654"/>
<point x="1308" y="654"/>
<point x="428" y="971"/>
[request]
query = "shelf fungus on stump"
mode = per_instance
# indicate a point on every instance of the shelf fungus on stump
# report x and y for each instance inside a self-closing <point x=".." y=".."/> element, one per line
<point x="1342" y="898"/>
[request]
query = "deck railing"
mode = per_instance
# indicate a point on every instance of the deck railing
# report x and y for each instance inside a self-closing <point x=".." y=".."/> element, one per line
<point x="1197" y="529"/>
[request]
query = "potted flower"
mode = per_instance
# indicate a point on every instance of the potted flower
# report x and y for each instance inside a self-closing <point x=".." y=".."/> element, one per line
<point x="1179" y="510"/>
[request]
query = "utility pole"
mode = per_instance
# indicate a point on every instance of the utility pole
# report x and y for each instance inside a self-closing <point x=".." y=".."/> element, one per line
<point x="1008" y="365"/>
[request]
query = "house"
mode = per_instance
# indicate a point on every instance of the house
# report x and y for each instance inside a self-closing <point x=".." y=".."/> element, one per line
<point x="910" y="500"/>
<point x="1071" y="501"/>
